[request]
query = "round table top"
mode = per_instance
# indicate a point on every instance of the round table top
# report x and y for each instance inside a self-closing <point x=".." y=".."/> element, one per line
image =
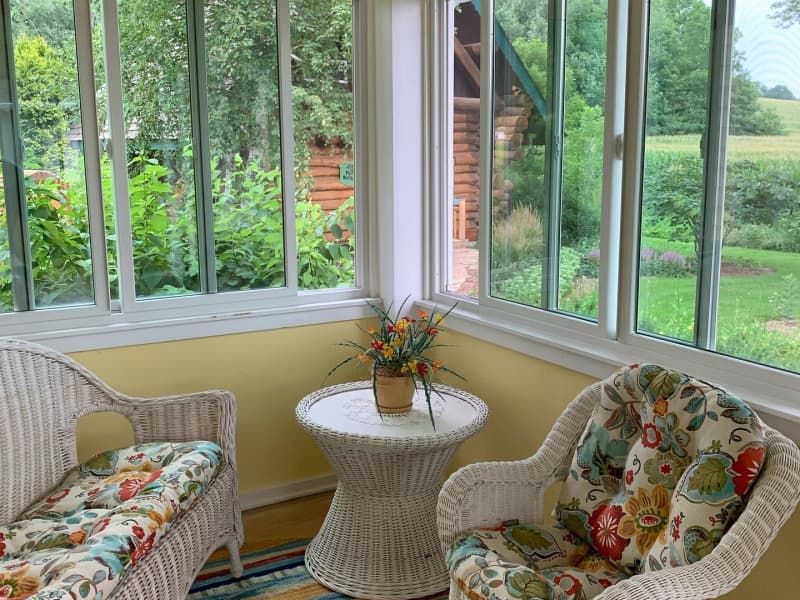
<point x="349" y="410"/>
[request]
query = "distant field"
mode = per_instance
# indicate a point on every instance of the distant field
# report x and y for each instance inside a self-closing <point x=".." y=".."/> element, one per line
<point x="745" y="147"/>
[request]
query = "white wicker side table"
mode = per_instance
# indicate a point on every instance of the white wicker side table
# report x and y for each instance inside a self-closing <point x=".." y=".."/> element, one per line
<point x="379" y="538"/>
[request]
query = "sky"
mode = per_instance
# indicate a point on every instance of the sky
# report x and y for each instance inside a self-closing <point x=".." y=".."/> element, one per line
<point x="772" y="54"/>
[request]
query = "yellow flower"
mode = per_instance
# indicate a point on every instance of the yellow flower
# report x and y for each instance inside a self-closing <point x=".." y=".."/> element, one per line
<point x="411" y="365"/>
<point x="401" y="325"/>
<point x="646" y="518"/>
<point x="437" y="319"/>
<point x="388" y="352"/>
<point x="399" y="341"/>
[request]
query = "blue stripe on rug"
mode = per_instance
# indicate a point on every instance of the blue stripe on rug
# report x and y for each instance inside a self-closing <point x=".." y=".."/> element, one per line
<point x="276" y="572"/>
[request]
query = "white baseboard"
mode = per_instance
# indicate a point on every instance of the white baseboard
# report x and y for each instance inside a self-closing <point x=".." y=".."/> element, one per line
<point x="287" y="491"/>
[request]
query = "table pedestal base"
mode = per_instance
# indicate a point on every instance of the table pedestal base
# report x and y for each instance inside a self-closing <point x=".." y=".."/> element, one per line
<point x="379" y="548"/>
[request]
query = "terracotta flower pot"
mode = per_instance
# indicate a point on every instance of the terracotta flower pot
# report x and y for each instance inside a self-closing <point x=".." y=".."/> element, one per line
<point x="395" y="392"/>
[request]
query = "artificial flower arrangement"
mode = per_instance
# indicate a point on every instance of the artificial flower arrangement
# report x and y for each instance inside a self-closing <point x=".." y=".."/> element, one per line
<point x="396" y="356"/>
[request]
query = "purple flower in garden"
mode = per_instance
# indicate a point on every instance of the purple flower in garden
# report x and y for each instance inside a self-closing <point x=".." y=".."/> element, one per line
<point x="594" y="255"/>
<point x="673" y="257"/>
<point x="647" y="254"/>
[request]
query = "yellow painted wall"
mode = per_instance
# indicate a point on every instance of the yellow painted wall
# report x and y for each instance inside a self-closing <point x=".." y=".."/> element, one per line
<point x="271" y="371"/>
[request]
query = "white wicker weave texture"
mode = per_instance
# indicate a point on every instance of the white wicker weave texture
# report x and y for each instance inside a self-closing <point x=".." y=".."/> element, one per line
<point x="42" y="396"/>
<point x="484" y="495"/>
<point x="379" y="539"/>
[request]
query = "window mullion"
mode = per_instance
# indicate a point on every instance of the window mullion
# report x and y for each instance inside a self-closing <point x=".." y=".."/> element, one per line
<point x="361" y="131"/>
<point x="13" y="174"/>
<point x="715" y="152"/>
<point x="551" y="219"/>
<point x="610" y="213"/>
<point x="287" y="143"/>
<point x="119" y="156"/>
<point x="91" y="155"/>
<point x="201" y="150"/>
<point x="486" y="10"/>
<point x="633" y="159"/>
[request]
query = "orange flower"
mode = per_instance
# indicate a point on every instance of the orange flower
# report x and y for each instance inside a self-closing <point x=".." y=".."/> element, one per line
<point x="646" y="518"/>
<point x="371" y="330"/>
<point x="661" y="407"/>
<point x="423" y="315"/>
<point x="437" y="364"/>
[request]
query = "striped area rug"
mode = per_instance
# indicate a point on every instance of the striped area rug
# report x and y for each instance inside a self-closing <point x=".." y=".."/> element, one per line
<point x="276" y="572"/>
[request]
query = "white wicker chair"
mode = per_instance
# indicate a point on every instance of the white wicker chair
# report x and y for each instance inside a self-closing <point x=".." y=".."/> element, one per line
<point x="42" y="396"/>
<point x="486" y="494"/>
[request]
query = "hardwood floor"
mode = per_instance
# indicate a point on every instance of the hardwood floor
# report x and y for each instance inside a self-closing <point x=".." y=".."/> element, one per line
<point x="280" y="523"/>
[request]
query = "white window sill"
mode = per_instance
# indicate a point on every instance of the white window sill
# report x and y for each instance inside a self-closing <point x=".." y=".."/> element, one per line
<point x="118" y="330"/>
<point x="773" y="393"/>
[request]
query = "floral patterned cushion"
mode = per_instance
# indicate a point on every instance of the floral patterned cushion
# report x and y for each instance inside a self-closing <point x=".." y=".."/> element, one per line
<point x="529" y="562"/>
<point x="662" y="469"/>
<point x="80" y="539"/>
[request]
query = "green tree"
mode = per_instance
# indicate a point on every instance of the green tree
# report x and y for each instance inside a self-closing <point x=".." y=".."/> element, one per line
<point x="42" y="83"/>
<point x="780" y="92"/>
<point x="786" y="11"/>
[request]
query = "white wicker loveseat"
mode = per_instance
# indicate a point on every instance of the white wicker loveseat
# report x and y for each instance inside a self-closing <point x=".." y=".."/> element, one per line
<point x="491" y="515"/>
<point x="42" y="396"/>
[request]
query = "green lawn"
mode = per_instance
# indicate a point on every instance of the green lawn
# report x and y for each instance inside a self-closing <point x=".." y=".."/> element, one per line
<point x="744" y="147"/>
<point x="746" y="303"/>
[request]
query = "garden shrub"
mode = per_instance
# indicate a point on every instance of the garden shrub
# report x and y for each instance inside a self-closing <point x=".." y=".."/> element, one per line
<point x="755" y="235"/>
<point x="249" y="241"/>
<point x="517" y="238"/>
<point x="665" y="264"/>
<point x="525" y="284"/>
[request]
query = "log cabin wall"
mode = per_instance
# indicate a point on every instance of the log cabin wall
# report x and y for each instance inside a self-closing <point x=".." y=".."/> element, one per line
<point x="323" y="167"/>
<point x="466" y="149"/>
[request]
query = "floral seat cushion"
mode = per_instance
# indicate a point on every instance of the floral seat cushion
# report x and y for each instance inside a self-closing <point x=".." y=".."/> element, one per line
<point x="80" y="539"/>
<point x="662" y="470"/>
<point x="529" y="562"/>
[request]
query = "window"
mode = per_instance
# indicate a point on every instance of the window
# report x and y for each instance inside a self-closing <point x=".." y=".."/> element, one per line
<point x="719" y="260"/>
<point x="547" y="105"/>
<point x="634" y="165"/>
<point x="156" y="155"/>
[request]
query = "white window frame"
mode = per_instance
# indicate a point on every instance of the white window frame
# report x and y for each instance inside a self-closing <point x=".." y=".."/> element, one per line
<point x="136" y="320"/>
<point x="593" y="348"/>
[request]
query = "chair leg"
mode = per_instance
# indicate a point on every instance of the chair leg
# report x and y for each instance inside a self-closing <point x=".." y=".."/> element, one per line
<point x="236" y="561"/>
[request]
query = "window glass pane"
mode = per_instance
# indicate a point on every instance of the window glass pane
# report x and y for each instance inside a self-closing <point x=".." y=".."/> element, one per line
<point x="244" y="133"/>
<point x="759" y="297"/>
<point x="155" y="80"/>
<point x="519" y="180"/>
<point x="322" y="92"/>
<point x="464" y="120"/>
<point x="673" y="180"/>
<point x="582" y="170"/>
<point x="52" y="145"/>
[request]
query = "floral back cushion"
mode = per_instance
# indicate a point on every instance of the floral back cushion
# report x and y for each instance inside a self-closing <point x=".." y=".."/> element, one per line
<point x="662" y="469"/>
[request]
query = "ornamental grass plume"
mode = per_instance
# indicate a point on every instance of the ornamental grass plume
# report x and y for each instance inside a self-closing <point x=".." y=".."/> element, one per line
<point x="398" y="347"/>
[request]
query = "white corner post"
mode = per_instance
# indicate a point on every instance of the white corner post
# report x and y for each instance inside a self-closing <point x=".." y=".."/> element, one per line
<point x="396" y="49"/>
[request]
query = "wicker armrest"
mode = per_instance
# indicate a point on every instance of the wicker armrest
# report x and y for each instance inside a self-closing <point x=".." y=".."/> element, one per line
<point x="209" y="415"/>
<point x="486" y="494"/>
